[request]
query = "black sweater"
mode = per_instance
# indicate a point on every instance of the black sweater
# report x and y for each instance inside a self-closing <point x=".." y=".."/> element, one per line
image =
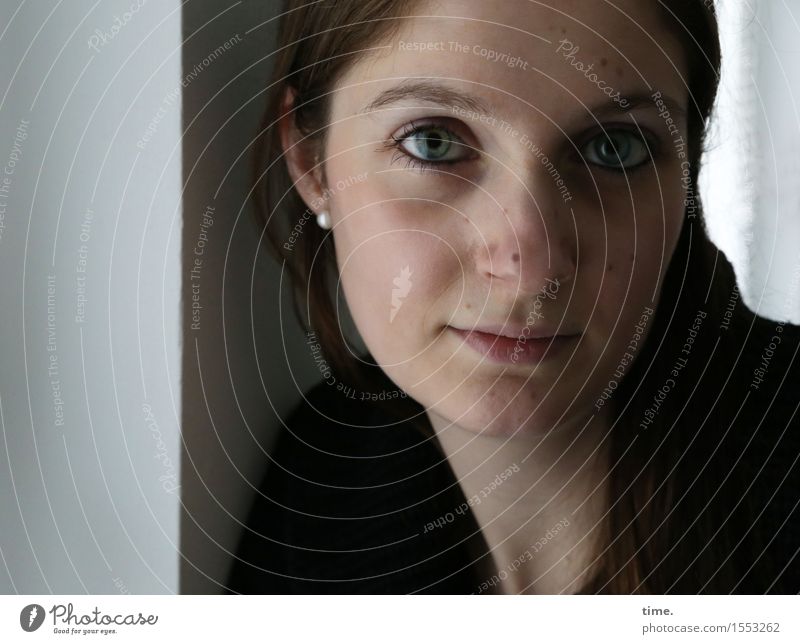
<point x="344" y="509"/>
<point x="348" y="501"/>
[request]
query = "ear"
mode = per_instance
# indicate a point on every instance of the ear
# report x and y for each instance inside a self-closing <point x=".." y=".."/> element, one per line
<point x="301" y="159"/>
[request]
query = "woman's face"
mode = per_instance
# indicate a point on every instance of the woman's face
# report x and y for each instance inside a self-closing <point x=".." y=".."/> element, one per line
<point x="495" y="205"/>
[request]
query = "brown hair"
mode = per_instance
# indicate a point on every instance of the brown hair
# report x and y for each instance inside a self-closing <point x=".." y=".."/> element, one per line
<point x="319" y="41"/>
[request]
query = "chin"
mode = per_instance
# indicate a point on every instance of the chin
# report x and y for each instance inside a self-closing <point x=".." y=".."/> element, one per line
<point x="502" y="415"/>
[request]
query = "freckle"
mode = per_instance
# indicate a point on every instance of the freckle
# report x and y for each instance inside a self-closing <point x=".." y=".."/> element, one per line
<point x="610" y="268"/>
<point x="603" y="62"/>
<point x="515" y="257"/>
<point x="563" y="30"/>
<point x="468" y="306"/>
<point x="620" y="73"/>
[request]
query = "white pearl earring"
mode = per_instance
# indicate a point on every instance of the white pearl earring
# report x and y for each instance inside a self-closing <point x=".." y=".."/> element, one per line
<point x="324" y="220"/>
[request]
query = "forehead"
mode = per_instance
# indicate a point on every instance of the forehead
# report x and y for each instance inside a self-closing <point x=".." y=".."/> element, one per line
<point x="554" y="55"/>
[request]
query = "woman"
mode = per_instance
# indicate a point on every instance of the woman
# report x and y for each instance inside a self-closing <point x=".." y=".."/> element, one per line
<point x="562" y="391"/>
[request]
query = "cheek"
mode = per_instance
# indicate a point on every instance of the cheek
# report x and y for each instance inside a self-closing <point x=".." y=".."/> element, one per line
<point x="392" y="273"/>
<point x="633" y="265"/>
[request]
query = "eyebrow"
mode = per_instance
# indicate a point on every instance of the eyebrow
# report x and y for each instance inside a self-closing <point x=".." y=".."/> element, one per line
<point x="639" y="100"/>
<point x="429" y="92"/>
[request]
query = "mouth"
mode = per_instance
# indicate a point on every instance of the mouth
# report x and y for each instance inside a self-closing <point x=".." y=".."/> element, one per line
<point x="518" y="349"/>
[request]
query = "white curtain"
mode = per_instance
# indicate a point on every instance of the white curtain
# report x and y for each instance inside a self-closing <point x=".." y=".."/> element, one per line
<point x="751" y="179"/>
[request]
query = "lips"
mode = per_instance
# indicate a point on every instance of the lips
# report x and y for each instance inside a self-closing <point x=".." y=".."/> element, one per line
<point x="499" y="343"/>
<point x="514" y="330"/>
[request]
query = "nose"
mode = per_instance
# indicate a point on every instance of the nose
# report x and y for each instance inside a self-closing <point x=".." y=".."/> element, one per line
<point x="530" y="236"/>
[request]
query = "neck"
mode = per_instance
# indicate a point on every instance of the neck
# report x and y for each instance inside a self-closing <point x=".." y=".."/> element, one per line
<point x="539" y="499"/>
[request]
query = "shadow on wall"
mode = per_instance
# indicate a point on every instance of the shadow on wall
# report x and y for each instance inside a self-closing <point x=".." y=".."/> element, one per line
<point x="236" y="360"/>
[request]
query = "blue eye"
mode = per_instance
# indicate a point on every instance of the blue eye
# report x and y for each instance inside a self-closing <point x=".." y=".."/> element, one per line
<point x="617" y="150"/>
<point x="429" y="146"/>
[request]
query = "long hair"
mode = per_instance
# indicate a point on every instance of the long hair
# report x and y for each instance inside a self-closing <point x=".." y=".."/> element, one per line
<point x="651" y="548"/>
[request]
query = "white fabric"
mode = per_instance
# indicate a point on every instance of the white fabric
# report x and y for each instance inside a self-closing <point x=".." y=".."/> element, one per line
<point x="751" y="179"/>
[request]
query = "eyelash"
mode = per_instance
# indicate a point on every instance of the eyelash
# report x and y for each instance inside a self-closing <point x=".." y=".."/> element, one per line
<point x="396" y="143"/>
<point x="649" y="142"/>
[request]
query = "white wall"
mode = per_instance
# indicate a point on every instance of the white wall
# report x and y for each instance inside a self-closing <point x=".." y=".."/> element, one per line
<point x="89" y="384"/>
